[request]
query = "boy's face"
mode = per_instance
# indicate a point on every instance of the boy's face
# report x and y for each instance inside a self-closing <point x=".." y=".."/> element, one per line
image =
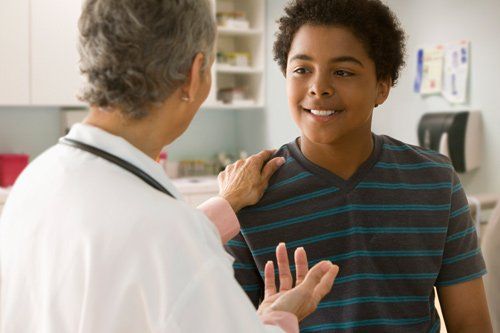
<point x="331" y="84"/>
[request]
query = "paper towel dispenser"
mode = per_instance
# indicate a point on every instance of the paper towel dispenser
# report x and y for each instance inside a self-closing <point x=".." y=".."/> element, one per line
<point x="457" y="135"/>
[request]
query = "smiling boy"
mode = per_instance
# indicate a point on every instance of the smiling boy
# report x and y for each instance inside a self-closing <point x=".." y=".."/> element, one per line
<point x="393" y="216"/>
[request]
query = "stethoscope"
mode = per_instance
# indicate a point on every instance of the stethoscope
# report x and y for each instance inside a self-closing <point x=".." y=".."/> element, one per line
<point x="117" y="161"/>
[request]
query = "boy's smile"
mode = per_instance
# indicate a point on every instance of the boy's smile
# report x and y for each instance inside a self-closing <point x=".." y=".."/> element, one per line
<point x="332" y="85"/>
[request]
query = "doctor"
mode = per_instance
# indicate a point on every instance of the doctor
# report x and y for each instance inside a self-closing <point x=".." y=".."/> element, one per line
<point x="94" y="237"/>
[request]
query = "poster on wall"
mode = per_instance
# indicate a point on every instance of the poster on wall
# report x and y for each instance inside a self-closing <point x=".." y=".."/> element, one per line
<point x="456" y="71"/>
<point x="429" y="78"/>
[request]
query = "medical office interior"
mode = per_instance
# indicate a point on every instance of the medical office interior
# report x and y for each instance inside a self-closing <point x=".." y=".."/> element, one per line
<point x="445" y="100"/>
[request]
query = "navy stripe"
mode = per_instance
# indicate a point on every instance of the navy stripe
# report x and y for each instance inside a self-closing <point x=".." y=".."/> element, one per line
<point x="235" y="243"/>
<point x="412" y="166"/>
<point x="353" y="231"/>
<point x="344" y="209"/>
<point x="461" y="234"/>
<point x="460" y="211"/>
<point x="357" y="254"/>
<point x="374" y="299"/>
<point x="406" y="148"/>
<point x="290" y="180"/>
<point x="403" y="186"/>
<point x="461" y="256"/>
<point x="369" y="322"/>
<point x="371" y="276"/>
<point x="296" y="199"/>
<point x="462" y="279"/>
<point x="250" y="287"/>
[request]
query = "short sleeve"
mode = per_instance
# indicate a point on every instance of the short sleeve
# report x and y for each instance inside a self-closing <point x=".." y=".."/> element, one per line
<point x="245" y="269"/>
<point x="462" y="258"/>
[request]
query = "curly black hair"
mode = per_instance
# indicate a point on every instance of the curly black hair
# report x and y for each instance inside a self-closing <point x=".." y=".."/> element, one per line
<point x="369" y="20"/>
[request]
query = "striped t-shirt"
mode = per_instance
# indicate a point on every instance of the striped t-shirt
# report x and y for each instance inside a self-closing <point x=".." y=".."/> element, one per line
<point x="397" y="228"/>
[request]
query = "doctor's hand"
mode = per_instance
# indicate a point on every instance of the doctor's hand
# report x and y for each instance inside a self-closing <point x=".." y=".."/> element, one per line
<point x="243" y="183"/>
<point x="310" y="286"/>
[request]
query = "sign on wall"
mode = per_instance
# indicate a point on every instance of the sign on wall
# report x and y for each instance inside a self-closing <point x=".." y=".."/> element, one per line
<point x="444" y="69"/>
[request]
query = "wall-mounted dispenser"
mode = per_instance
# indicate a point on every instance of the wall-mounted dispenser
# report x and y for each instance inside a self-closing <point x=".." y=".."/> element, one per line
<point x="458" y="135"/>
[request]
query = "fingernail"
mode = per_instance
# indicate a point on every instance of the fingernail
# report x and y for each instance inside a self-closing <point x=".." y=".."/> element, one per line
<point x="325" y="266"/>
<point x="281" y="161"/>
<point x="282" y="244"/>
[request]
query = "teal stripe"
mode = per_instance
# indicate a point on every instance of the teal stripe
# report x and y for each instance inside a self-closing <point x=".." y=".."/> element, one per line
<point x="344" y="209"/>
<point x="353" y="231"/>
<point x="459" y="211"/>
<point x="240" y="265"/>
<point x="300" y="176"/>
<point x="236" y="244"/>
<point x="456" y="188"/>
<point x="462" y="279"/>
<point x="403" y="186"/>
<point x="406" y="148"/>
<point x="375" y="299"/>
<point x="385" y="277"/>
<point x="461" y="234"/>
<point x="370" y="254"/>
<point x="289" y="160"/>
<point x="374" y="254"/>
<point x="369" y="322"/>
<point x="250" y="287"/>
<point x="412" y="166"/>
<point x="435" y="328"/>
<point x="296" y="199"/>
<point x="461" y="256"/>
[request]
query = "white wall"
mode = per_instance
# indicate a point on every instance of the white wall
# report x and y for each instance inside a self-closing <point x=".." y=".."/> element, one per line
<point x="31" y="130"/>
<point x="426" y="22"/>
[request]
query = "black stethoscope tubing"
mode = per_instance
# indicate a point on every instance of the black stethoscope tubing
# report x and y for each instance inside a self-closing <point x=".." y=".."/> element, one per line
<point x="117" y="161"/>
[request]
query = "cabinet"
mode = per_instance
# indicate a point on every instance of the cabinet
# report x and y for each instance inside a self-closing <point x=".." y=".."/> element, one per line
<point x="39" y="55"/>
<point x="55" y="74"/>
<point x="238" y="80"/>
<point x="14" y="54"/>
<point x="39" y="59"/>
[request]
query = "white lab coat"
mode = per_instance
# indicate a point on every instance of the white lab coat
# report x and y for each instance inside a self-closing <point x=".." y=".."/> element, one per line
<point x="87" y="247"/>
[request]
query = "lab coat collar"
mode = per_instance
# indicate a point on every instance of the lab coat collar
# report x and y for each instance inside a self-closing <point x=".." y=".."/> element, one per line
<point x="120" y="147"/>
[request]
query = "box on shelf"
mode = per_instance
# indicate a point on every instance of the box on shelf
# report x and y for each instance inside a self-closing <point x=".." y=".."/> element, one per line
<point x="234" y="20"/>
<point x="11" y="166"/>
<point x="240" y="59"/>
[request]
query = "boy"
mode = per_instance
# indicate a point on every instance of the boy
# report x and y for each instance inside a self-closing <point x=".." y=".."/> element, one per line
<point x="394" y="217"/>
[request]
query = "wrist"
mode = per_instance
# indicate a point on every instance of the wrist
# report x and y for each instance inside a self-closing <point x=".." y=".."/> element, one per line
<point x="235" y="203"/>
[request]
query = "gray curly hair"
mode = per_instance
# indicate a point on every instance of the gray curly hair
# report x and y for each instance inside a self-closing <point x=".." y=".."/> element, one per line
<point x="136" y="53"/>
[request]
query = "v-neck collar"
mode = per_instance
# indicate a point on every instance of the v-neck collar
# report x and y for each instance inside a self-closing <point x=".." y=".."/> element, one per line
<point x="332" y="178"/>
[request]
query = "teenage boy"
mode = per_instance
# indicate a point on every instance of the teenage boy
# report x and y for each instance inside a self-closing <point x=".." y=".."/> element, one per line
<point x="394" y="217"/>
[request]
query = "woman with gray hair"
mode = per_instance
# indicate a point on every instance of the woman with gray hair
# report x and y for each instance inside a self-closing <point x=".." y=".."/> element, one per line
<point x="106" y="244"/>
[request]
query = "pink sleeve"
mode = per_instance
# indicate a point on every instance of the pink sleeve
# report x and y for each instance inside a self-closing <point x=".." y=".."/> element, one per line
<point x="287" y="321"/>
<point x="221" y="214"/>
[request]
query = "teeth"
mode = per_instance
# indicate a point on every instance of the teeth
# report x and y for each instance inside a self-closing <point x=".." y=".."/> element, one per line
<point x="322" y="113"/>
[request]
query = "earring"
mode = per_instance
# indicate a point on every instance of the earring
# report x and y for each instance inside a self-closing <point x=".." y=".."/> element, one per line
<point x="185" y="98"/>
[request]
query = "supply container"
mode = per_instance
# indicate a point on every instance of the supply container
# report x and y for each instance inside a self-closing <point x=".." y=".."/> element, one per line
<point x="11" y="166"/>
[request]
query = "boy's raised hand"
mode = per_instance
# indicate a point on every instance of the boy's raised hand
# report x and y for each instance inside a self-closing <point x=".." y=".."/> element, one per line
<point x="310" y="287"/>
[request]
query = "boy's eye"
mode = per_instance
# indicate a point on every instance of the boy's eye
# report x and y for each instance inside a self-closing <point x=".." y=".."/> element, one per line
<point x="300" y="70"/>
<point x="343" y="73"/>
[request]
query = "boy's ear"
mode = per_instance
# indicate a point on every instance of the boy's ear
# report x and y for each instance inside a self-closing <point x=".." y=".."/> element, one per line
<point x="190" y="87"/>
<point x="383" y="89"/>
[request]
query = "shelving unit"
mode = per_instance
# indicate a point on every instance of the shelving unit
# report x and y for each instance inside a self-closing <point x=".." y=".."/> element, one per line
<point x="246" y="40"/>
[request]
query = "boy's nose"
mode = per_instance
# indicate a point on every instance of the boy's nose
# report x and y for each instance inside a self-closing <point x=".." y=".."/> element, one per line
<point x="321" y="89"/>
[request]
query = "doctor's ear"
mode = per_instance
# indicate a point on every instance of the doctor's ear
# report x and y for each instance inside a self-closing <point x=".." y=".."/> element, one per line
<point x="383" y="89"/>
<point x="190" y="87"/>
